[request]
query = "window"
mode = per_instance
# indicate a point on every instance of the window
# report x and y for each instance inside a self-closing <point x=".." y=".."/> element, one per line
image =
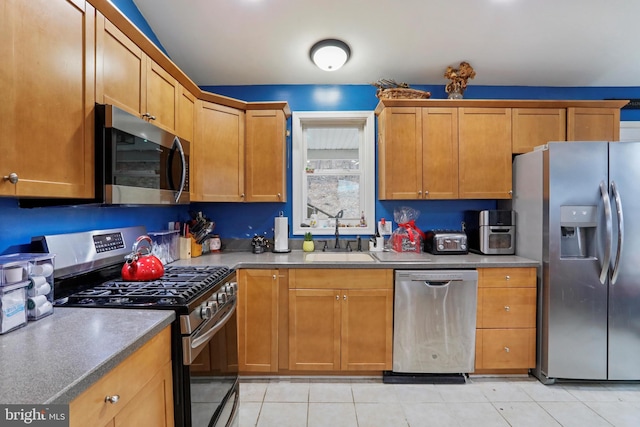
<point x="333" y="171"/>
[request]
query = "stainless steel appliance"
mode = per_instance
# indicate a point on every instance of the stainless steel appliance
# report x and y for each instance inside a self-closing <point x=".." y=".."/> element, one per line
<point x="434" y="322"/>
<point x="445" y="242"/>
<point x="136" y="163"/>
<point x="491" y="232"/>
<point x="577" y="205"/>
<point x="203" y="298"/>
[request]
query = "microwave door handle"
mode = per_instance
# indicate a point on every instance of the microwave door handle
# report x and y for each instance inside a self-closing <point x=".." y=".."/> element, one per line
<point x="604" y="191"/>
<point x="618" y="200"/>
<point x="183" y="175"/>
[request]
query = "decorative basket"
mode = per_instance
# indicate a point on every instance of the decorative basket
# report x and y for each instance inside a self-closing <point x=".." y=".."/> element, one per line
<point x="402" y="93"/>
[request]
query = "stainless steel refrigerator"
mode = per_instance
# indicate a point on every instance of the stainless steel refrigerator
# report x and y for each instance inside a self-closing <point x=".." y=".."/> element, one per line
<point x="578" y="213"/>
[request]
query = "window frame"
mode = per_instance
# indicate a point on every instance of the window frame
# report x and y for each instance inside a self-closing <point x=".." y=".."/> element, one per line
<point x="366" y="119"/>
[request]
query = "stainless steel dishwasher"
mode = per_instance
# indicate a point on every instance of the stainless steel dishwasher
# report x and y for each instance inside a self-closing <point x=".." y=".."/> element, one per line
<point x="434" y="321"/>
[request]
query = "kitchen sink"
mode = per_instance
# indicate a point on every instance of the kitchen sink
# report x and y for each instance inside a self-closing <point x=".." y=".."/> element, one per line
<point x="338" y="257"/>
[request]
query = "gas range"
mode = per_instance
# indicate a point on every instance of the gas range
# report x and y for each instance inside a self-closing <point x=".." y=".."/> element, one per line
<point x="180" y="285"/>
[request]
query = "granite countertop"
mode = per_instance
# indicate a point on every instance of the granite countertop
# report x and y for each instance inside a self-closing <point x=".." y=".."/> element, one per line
<point x="393" y="260"/>
<point x="56" y="358"/>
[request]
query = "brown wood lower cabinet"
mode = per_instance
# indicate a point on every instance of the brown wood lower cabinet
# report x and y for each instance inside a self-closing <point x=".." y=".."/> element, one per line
<point x="144" y="386"/>
<point x="340" y="320"/>
<point x="506" y="319"/>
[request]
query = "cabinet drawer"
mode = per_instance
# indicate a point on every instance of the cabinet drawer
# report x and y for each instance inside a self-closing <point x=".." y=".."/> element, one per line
<point x="508" y="308"/>
<point x="507" y="277"/>
<point x="322" y="278"/>
<point x="506" y="348"/>
<point x="125" y="380"/>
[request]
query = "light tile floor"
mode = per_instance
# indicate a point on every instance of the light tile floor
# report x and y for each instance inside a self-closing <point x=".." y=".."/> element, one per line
<point x="481" y="402"/>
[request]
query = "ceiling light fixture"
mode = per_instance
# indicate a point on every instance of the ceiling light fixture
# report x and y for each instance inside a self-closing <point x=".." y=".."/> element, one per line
<point x="330" y="54"/>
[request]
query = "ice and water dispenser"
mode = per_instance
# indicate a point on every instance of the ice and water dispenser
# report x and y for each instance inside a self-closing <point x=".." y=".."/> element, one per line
<point x="578" y="231"/>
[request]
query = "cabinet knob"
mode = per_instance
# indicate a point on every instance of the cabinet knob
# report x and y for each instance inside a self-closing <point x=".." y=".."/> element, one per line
<point x="242" y="196"/>
<point x="146" y="115"/>
<point x="337" y="297"/>
<point x="426" y="193"/>
<point x="112" y="399"/>
<point x="12" y="178"/>
<point x="507" y="277"/>
<point x="506" y="308"/>
<point x="279" y="196"/>
<point x="152" y="117"/>
<point x="510" y="192"/>
<point x="506" y="349"/>
<point x="419" y="192"/>
<point x="345" y="297"/>
<point x="274" y="277"/>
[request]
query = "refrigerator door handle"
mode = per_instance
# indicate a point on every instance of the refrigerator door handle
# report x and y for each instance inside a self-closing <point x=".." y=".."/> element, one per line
<point x="604" y="191"/>
<point x="616" y="265"/>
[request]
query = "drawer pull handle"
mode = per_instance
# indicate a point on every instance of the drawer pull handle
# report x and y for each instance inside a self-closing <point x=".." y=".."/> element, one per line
<point x="506" y="349"/>
<point x="506" y="308"/>
<point x="112" y="399"/>
<point x="507" y="277"/>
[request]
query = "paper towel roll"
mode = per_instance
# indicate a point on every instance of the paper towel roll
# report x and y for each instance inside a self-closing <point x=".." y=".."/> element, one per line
<point x="42" y="289"/>
<point x="41" y="310"/>
<point x="37" y="301"/>
<point x="281" y="234"/>
<point x="42" y="269"/>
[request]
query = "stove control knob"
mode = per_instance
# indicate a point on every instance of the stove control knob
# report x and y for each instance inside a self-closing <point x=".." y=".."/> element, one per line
<point x="229" y="289"/>
<point x="205" y="312"/>
<point x="221" y="297"/>
<point x="213" y="305"/>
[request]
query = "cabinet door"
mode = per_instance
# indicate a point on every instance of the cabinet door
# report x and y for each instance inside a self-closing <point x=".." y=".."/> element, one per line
<point x="400" y="153"/>
<point x="593" y="124"/>
<point x="314" y="329"/>
<point x="367" y="326"/>
<point x="485" y="153"/>
<point x="537" y="126"/>
<point x="121" y="69"/>
<point x="186" y="115"/>
<point x="440" y="153"/>
<point x="265" y="156"/>
<point x="218" y="154"/>
<point x="163" y="95"/>
<point x="258" y="320"/>
<point x="152" y="406"/>
<point x="47" y="77"/>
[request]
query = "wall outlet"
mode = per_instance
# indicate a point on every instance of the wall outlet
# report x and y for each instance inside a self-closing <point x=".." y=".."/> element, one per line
<point x="385" y="230"/>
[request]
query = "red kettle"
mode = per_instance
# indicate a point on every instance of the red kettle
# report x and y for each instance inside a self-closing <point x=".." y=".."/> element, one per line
<point x="141" y="265"/>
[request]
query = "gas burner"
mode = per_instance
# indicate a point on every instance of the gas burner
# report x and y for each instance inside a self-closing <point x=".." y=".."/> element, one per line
<point x="178" y="286"/>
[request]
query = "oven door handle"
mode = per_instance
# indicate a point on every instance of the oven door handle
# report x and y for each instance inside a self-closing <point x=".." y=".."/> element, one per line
<point x="193" y="345"/>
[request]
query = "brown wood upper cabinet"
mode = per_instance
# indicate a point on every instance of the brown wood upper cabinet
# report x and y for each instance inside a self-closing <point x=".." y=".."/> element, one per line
<point x="444" y="149"/>
<point x="537" y="126"/>
<point x="418" y="153"/>
<point x="265" y="171"/>
<point x="217" y="157"/>
<point x="127" y="78"/>
<point x="47" y="115"/>
<point x="484" y="163"/>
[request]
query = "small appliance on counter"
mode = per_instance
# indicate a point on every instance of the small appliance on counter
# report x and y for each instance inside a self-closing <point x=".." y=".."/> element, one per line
<point x="491" y="232"/>
<point x="446" y="242"/>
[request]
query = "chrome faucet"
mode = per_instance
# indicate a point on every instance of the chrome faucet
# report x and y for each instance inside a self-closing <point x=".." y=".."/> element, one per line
<point x="337" y="217"/>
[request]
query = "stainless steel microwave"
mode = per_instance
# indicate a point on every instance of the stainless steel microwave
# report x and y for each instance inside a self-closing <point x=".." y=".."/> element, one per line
<point x="143" y="164"/>
<point x="136" y="163"/>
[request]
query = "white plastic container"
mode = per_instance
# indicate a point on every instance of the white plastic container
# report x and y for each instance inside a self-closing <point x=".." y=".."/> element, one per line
<point x="13" y="297"/>
<point x="37" y="281"/>
<point x="166" y="245"/>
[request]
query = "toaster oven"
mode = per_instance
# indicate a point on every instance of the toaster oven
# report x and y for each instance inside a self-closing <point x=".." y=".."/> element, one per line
<point x="491" y="232"/>
<point x="445" y="242"/>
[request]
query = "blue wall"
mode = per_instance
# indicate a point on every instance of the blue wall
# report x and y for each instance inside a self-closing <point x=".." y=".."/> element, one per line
<point x="238" y="220"/>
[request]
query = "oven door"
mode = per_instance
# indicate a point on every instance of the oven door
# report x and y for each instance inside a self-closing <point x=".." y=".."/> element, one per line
<point x="211" y="377"/>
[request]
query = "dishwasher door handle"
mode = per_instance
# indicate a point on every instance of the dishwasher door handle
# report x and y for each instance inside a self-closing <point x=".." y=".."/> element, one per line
<point x="437" y="284"/>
